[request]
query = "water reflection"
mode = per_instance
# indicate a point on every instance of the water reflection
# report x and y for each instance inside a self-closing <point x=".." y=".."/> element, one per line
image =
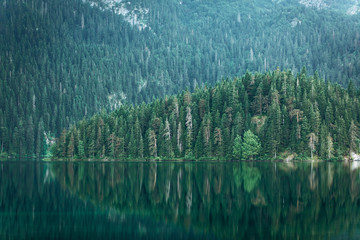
<point x="238" y="200"/>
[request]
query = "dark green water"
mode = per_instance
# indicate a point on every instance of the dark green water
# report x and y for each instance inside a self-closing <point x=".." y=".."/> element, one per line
<point x="192" y="200"/>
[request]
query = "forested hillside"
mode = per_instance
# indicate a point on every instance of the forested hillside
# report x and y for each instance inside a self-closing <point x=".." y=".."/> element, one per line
<point x="63" y="60"/>
<point x="256" y="116"/>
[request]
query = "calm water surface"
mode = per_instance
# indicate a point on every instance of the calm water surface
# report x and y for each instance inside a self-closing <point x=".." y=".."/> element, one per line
<point x="192" y="200"/>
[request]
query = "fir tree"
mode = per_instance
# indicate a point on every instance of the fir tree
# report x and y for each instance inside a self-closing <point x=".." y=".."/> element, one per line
<point x="237" y="147"/>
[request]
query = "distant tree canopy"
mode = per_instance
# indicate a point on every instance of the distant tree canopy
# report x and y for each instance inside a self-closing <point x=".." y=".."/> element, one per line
<point x="300" y="114"/>
<point x="63" y="60"/>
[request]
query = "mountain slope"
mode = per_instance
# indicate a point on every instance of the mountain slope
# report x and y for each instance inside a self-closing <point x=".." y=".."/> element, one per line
<point x="65" y="60"/>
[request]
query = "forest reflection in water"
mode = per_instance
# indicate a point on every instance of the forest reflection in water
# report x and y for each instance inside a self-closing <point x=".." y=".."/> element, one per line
<point x="179" y="200"/>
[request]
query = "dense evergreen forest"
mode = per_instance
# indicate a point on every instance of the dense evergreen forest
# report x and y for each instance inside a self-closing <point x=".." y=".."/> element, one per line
<point x="63" y="60"/>
<point x="272" y="115"/>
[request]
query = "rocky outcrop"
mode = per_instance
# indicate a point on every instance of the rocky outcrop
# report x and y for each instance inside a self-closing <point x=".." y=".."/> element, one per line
<point x="318" y="4"/>
<point x="132" y="14"/>
<point x="354" y="156"/>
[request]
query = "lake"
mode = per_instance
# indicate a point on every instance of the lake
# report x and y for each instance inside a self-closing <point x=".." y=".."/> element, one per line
<point x="179" y="200"/>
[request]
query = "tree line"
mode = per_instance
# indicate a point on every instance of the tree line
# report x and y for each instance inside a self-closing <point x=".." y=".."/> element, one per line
<point x="264" y="116"/>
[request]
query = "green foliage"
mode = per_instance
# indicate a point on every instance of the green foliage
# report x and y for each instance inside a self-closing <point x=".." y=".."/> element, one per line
<point x="251" y="177"/>
<point x="237" y="147"/>
<point x="237" y="176"/>
<point x="251" y="146"/>
<point x="63" y="60"/>
<point x="181" y="127"/>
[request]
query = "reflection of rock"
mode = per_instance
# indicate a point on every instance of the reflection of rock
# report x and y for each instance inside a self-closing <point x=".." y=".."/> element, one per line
<point x="298" y="208"/>
<point x="259" y="200"/>
<point x="354" y="165"/>
<point x="287" y="167"/>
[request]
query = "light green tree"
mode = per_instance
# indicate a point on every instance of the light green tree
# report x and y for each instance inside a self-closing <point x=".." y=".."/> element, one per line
<point x="251" y="145"/>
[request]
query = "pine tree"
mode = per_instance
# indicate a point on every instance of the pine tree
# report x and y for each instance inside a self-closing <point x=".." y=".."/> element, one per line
<point x="111" y="145"/>
<point x="167" y="138"/>
<point x="179" y="139"/>
<point x="323" y="141"/>
<point x="274" y="126"/>
<point x="30" y="136"/>
<point x="152" y="143"/>
<point x="207" y="134"/>
<point x="132" y="146"/>
<point x="189" y="127"/>
<point x="91" y="143"/>
<point x="330" y="148"/>
<point x="141" y="147"/>
<point x="199" y="144"/>
<point x="81" y="150"/>
<point x="40" y="140"/>
<point x="71" y="147"/>
<point x="313" y="139"/>
<point x="99" y="139"/>
<point x="354" y="136"/>
<point x="237" y="147"/>
<point x="259" y="100"/>
<point x="351" y="89"/>
<point x="218" y="142"/>
<point x="315" y="120"/>
<point x="120" y="147"/>
<point x="239" y="124"/>
<point x="62" y="146"/>
<point x="329" y="114"/>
